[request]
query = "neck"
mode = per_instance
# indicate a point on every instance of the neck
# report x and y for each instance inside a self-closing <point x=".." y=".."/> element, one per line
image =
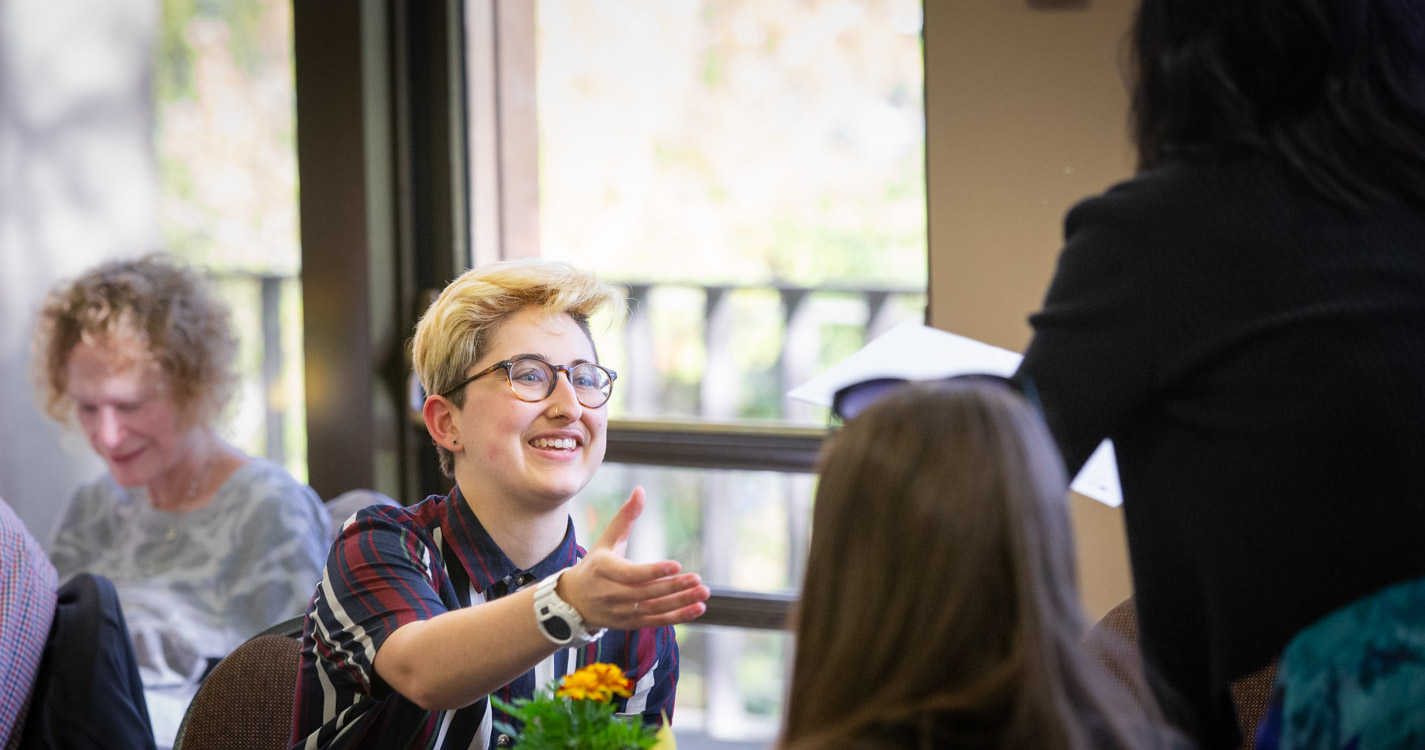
<point x="186" y="485"/>
<point x="525" y="536"/>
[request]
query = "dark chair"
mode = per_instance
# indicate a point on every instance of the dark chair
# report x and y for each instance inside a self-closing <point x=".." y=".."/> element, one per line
<point x="1250" y="693"/>
<point x="246" y="701"/>
<point x="87" y="692"/>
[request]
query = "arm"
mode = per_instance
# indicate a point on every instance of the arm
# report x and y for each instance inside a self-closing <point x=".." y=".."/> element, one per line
<point x="72" y="547"/>
<point x="603" y="587"/>
<point x="1091" y="359"/>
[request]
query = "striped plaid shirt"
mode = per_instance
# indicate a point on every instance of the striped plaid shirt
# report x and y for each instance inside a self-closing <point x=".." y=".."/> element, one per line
<point x="27" y="598"/>
<point x="391" y="566"/>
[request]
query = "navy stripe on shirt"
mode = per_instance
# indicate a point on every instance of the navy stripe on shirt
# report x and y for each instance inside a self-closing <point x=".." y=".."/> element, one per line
<point x="391" y="566"/>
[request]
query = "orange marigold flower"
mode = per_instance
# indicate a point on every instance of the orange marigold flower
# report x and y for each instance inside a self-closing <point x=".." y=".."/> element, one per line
<point x="597" y="682"/>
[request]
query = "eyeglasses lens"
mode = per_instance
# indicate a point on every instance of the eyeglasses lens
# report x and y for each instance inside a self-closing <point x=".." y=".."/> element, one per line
<point x="533" y="380"/>
<point x="853" y="399"/>
<point x="530" y="378"/>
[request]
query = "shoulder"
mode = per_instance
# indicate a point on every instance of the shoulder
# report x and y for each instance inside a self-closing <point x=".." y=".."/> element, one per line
<point x="268" y="484"/>
<point x="261" y="476"/>
<point x="262" y="492"/>
<point x="95" y="495"/>
<point x="415" y="529"/>
<point x="1196" y="194"/>
<point x="94" y="509"/>
<point x="18" y="545"/>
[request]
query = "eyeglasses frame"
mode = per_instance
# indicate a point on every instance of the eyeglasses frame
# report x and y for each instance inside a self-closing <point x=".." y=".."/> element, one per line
<point x="1020" y="385"/>
<point x="507" y="364"/>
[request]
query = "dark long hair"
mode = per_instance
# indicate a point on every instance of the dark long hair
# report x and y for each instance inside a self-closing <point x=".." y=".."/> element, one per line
<point x="940" y="606"/>
<point x="1333" y="89"/>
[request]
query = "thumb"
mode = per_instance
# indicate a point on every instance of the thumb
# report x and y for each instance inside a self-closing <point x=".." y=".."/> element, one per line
<point x="615" y="536"/>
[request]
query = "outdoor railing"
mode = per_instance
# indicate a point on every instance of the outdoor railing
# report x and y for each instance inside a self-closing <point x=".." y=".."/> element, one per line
<point x="714" y="439"/>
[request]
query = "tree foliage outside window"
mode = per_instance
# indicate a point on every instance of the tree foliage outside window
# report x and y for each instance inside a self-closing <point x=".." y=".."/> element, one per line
<point x="225" y="142"/>
<point x="735" y="142"/>
<point x="759" y="146"/>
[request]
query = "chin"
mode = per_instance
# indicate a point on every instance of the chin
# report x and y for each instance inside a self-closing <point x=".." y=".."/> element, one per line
<point x="130" y="476"/>
<point x="128" y="479"/>
<point x="562" y="492"/>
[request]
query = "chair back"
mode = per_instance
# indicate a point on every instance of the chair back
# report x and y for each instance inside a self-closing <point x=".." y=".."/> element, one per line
<point x="246" y="701"/>
<point x="1250" y="693"/>
<point x="87" y="692"/>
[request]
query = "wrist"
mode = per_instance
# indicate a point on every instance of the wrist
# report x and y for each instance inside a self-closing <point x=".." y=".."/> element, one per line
<point x="557" y="619"/>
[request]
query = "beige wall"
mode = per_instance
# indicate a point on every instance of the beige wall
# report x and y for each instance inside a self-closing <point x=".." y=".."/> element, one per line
<point x="1025" y="114"/>
<point x="77" y="177"/>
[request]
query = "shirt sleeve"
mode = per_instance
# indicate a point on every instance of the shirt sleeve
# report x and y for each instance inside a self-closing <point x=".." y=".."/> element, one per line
<point x="279" y="547"/>
<point x="27" y="600"/>
<point x="1090" y="361"/>
<point x="72" y="547"/>
<point x="381" y="575"/>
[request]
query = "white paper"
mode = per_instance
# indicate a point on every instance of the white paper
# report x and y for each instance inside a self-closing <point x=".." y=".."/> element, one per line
<point x="917" y="352"/>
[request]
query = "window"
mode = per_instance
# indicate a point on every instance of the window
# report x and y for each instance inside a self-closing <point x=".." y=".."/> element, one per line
<point x="753" y="173"/>
<point x="225" y="145"/>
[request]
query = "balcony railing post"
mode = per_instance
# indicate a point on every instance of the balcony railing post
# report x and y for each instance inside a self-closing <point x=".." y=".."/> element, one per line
<point x="801" y="348"/>
<point x="801" y="352"/>
<point x="719" y="401"/>
<point x="640" y="384"/>
<point x="649" y="540"/>
<point x="880" y="313"/>
<point x="273" y="399"/>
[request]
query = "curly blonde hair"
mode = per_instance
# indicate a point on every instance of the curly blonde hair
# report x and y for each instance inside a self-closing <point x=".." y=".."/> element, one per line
<point x="454" y="331"/>
<point x="154" y="312"/>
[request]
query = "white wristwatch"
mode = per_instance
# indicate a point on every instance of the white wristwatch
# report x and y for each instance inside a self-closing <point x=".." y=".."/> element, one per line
<point x="559" y="621"/>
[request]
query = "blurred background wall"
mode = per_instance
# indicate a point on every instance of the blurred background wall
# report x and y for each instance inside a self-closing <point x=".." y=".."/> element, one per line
<point x="77" y="186"/>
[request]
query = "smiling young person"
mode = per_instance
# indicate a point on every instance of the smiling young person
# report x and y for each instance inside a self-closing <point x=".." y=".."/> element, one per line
<point x="426" y="611"/>
<point x="206" y="546"/>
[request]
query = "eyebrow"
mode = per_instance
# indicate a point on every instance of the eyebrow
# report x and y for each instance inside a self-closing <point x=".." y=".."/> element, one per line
<point x="545" y="359"/>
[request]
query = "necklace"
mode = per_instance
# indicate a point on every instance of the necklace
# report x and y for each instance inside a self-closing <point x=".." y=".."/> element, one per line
<point x="191" y="498"/>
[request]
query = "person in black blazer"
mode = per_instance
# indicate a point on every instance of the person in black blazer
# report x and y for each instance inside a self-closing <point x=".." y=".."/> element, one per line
<point x="1245" y="318"/>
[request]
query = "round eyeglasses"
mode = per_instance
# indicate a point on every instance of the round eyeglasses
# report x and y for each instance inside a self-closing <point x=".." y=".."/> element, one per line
<point x="533" y="379"/>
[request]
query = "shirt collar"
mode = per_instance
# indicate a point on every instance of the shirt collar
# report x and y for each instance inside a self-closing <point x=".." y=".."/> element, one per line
<point x="484" y="562"/>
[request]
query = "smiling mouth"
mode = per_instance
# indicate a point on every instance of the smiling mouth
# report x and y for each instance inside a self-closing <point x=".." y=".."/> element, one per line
<point x="558" y="444"/>
<point x="125" y="458"/>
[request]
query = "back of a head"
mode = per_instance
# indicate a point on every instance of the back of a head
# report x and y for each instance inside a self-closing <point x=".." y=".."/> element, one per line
<point x="940" y="588"/>
<point x="1333" y="89"/>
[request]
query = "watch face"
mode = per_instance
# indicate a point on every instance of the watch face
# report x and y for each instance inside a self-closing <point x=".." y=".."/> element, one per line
<point x="555" y="625"/>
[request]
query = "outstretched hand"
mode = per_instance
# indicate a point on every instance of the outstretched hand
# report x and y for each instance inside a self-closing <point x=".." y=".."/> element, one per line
<point x="611" y="592"/>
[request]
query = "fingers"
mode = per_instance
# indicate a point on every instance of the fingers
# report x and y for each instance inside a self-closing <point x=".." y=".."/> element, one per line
<point x="670" y="610"/>
<point x="618" y="570"/>
<point x="615" y="536"/>
<point x="609" y="600"/>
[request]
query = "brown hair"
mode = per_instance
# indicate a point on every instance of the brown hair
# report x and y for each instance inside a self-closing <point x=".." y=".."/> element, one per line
<point x="153" y="312"/>
<point x="940" y="606"/>
<point x="454" y="331"/>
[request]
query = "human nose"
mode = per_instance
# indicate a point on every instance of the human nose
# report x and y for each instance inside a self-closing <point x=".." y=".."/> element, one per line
<point x="109" y="429"/>
<point x="564" y="400"/>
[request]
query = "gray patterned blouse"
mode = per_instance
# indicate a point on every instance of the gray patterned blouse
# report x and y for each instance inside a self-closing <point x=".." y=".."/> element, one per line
<point x="195" y="585"/>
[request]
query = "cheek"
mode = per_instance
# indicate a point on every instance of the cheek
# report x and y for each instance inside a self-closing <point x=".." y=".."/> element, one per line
<point x="598" y="429"/>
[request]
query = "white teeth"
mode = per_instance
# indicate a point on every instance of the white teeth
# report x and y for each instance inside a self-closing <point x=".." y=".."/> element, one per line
<point x="566" y="444"/>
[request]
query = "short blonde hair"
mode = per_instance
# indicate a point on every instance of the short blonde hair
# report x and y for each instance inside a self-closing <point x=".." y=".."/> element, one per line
<point x="154" y="311"/>
<point x="454" y="331"/>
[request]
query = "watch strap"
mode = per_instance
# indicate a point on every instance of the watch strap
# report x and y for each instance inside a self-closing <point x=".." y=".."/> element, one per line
<point x="557" y="619"/>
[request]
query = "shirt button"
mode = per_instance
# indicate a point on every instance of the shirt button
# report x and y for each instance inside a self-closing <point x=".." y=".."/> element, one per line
<point x="504" y="741"/>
